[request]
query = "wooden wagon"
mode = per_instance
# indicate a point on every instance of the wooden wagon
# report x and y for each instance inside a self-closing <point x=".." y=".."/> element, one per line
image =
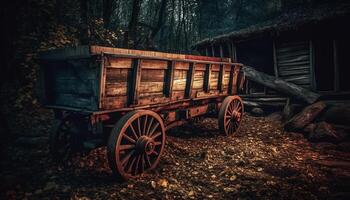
<point x="127" y="99"/>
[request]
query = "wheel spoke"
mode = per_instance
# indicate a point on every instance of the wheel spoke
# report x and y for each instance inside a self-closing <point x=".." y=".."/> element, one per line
<point x="239" y="108"/>
<point x="133" y="131"/>
<point x="148" y="160"/>
<point x="153" y="129"/>
<point x="131" y="164"/>
<point x="126" y="158"/>
<point x="156" y="135"/>
<point x="126" y="147"/>
<point x="139" y="126"/>
<point x="149" y="126"/>
<point x="157" y="143"/>
<point x="227" y="122"/>
<point x="154" y="152"/>
<point x="137" y="164"/>
<point x="144" y="125"/>
<point x="128" y="138"/>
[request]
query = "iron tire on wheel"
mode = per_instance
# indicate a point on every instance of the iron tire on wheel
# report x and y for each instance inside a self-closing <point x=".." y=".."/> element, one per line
<point x="230" y="115"/>
<point x="136" y="144"/>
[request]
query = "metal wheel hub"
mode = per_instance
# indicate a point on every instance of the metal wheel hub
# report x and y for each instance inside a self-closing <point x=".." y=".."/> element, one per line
<point x="235" y="115"/>
<point x="145" y="144"/>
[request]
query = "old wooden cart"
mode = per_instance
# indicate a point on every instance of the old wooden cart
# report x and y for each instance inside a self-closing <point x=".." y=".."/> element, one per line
<point x="127" y="99"/>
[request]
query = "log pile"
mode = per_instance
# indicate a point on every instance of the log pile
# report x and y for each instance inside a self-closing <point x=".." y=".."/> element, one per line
<point x="320" y="123"/>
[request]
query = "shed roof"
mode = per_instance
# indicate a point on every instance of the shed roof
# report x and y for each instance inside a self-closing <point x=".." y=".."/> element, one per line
<point x="285" y="22"/>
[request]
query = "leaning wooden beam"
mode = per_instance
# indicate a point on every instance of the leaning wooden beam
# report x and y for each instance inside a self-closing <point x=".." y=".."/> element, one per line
<point x="280" y="85"/>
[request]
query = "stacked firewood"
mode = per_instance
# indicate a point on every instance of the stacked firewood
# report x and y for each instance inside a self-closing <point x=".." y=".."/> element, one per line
<point x="321" y="123"/>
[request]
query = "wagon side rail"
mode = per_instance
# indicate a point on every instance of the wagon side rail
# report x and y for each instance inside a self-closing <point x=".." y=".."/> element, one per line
<point x="236" y="79"/>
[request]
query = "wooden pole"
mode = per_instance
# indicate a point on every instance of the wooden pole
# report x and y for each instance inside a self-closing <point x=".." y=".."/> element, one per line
<point x="280" y="85"/>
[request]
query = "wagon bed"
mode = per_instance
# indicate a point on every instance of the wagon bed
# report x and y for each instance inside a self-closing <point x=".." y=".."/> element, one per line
<point x="94" y="78"/>
<point x="127" y="99"/>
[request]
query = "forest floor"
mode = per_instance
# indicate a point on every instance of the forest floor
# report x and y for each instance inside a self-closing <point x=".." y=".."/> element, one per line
<point x="260" y="162"/>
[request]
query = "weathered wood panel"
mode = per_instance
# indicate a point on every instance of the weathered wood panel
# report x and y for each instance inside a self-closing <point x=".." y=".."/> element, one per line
<point x="214" y="80"/>
<point x="293" y="62"/>
<point x="180" y="77"/>
<point x="73" y="84"/>
<point x="113" y="62"/>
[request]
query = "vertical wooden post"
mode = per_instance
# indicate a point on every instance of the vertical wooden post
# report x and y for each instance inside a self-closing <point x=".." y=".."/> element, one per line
<point x="229" y="47"/>
<point x="189" y="80"/>
<point x="207" y="77"/>
<point x="230" y="86"/>
<point x="213" y="51"/>
<point x="275" y="67"/>
<point x="206" y="51"/>
<point x="102" y="80"/>
<point x="221" y="78"/>
<point x="168" y="89"/>
<point x="135" y="81"/>
<point x="312" y="66"/>
<point x="221" y="51"/>
<point x="336" y="65"/>
<point x="234" y="53"/>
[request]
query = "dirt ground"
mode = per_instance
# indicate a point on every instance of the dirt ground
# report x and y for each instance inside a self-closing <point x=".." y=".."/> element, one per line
<point x="260" y="162"/>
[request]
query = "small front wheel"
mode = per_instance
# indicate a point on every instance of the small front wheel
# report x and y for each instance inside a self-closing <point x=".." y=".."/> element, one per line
<point x="230" y="115"/>
<point x="136" y="144"/>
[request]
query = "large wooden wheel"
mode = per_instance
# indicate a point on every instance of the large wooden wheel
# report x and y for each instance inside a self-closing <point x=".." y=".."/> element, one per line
<point x="136" y="144"/>
<point x="230" y="115"/>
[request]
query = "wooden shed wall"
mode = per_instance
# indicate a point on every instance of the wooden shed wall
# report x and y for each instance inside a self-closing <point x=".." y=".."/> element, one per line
<point x="294" y="62"/>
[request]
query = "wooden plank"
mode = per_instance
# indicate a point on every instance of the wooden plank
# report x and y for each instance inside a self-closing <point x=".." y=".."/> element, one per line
<point x="221" y="78"/>
<point x="135" y="82"/>
<point x="207" y="78"/>
<point x="182" y="65"/>
<point x="189" y="81"/>
<point x="154" y="64"/>
<point x="198" y="80"/>
<point x="116" y="89"/>
<point x="110" y="103"/>
<point x="168" y="89"/>
<point x="152" y="75"/>
<point x="119" y="62"/>
<point x="280" y="85"/>
<point x="151" y="87"/>
<point x="117" y="75"/>
<point x="214" y="80"/>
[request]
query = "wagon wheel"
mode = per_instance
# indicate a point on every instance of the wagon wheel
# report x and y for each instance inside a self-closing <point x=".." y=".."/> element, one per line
<point x="63" y="139"/>
<point x="136" y="144"/>
<point x="230" y="115"/>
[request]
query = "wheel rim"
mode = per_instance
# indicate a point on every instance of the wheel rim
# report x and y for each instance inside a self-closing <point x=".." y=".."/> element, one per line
<point x="230" y="115"/>
<point x="139" y="144"/>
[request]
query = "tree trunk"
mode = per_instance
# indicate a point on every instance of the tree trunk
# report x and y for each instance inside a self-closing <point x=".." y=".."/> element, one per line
<point x="84" y="30"/>
<point x="130" y="35"/>
<point x="107" y="12"/>
<point x="280" y="85"/>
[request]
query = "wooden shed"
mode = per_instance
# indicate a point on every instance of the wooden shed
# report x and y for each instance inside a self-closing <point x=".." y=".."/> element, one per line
<point x="306" y="46"/>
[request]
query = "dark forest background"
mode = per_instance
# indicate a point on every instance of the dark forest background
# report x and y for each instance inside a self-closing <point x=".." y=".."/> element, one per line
<point x="32" y="26"/>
